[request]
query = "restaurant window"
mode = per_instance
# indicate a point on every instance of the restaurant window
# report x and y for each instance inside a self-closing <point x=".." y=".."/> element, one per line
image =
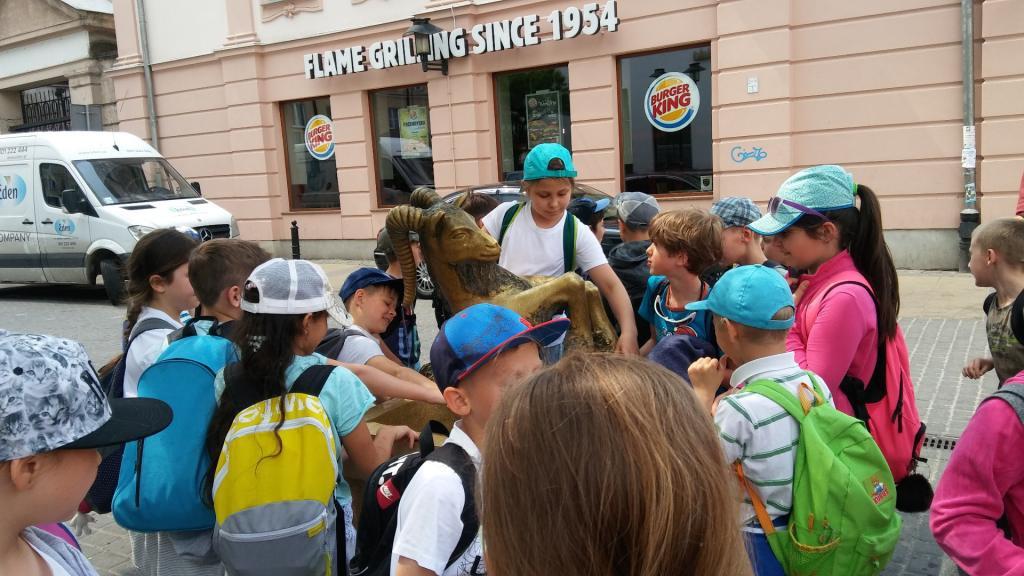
<point x="666" y="122"/>
<point x="533" y="108"/>
<point x="401" y="130"/>
<point x="309" y="137"/>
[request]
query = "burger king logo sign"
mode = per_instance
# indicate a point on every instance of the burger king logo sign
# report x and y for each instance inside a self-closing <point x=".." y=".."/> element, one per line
<point x="320" y="137"/>
<point x="672" y="102"/>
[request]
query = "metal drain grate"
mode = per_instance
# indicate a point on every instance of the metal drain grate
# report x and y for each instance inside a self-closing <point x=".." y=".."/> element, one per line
<point x="940" y="442"/>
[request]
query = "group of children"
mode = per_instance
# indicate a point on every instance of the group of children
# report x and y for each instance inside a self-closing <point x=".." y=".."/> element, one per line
<point x="595" y="464"/>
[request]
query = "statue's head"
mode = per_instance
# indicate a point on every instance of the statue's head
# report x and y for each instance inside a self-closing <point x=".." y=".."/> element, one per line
<point x="448" y="236"/>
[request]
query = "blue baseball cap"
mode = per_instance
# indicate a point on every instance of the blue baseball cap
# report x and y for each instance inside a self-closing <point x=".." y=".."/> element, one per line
<point x="818" y="189"/>
<point x="474" y="336"/>
<point x="750" y="295"/>
<point x="365" y="277"/>
<point x="588" y="210"/>
<point x="548" y="161"/>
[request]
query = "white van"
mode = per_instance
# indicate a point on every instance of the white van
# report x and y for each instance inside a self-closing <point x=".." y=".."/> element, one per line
<point x="73" y="205"/>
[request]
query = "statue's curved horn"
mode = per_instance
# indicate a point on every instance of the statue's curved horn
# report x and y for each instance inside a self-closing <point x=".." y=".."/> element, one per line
<point x="402" y="220"/>
<point x="424" y="197"/>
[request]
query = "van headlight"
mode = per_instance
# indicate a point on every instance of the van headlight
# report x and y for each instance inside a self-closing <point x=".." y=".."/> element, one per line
<point x="234" y="227"/>
<point x="139" y="231"/>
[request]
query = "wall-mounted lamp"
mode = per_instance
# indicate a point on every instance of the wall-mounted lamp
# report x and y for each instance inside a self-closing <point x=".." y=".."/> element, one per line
<point x="421" y="31"/>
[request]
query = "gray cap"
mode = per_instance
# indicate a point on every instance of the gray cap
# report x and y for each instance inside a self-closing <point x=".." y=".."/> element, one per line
<point x="636" y="209"/>
<point x="51" y="398"/>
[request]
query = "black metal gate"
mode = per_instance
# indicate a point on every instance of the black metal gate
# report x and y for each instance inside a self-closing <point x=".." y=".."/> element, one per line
<point x="45" y="109"/>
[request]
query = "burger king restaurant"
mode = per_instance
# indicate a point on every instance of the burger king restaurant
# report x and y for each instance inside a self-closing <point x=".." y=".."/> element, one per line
<point x="330" y="112"/>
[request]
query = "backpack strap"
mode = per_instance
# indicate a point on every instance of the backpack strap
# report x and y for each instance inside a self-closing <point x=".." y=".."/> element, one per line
<point x="333" y="343"/>
<point x="1012" y="394"/>
<point x="875" y="389"/>
<point x="506" y="220"/>
<point x="312" y="380"/>
<point x="759" y="509"/>
<point x="569" y="242"/>
<point x="115" y="389"/>
<point x="146" y="325"/>
<point x="796" y="405"/>
<point x="1016" y="314"/>
<point x="456" y="458"/>
<point x="427" y="436"/>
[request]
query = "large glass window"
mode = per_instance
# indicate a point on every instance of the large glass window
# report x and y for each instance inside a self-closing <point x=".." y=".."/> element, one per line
<point x="401" y="129"/>
<point x="533" y="108"/>
<point x="309" y="138"/>
<point x="666" y="121"/>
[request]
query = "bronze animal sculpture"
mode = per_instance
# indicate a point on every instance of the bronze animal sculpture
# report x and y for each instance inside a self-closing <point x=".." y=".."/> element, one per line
<point x="463" y="261"/>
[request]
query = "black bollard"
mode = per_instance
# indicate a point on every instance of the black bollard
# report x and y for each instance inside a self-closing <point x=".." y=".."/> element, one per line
<point x="295" y="240"/>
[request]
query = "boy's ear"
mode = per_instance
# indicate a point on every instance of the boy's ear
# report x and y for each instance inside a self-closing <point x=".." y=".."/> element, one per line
<point x="233" y="295"/>
<point x="24" y="472"/>
<point x="731" y="330"/>
<point x="457" y="401"/>
<point x="991" y="257"/>
<point x="748" y="235"/>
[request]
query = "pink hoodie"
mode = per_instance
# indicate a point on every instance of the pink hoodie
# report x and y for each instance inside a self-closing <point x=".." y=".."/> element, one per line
<point x="984" y="480"/>
<point x="843" y="337"/>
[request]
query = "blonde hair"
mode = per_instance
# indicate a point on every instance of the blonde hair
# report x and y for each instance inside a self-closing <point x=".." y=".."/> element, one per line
<point x="1005" y="236"/>
<point x="761" y="335"/>
<point x="603" y="465"/>
<point x="692" y="232"/>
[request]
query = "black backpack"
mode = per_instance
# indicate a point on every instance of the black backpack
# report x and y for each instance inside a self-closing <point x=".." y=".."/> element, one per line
<point x="378" y="519"/>
<point x="101" y="495"/>
<point x="1016" y="314"/>
<point x="334" y="341"/>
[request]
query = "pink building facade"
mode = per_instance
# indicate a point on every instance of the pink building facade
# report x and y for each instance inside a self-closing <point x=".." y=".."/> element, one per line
<point x="266" y="106"/>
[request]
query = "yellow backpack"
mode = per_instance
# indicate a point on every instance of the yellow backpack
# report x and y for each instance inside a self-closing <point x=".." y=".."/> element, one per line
<point x="273" y="491"/>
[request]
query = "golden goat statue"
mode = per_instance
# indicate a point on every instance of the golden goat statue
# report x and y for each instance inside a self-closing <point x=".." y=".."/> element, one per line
<point x="463" y="262"/>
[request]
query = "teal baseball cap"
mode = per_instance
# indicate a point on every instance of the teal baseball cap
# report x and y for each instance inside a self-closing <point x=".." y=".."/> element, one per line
<point x="548" y="161"/>
<point x="808" y="192"/>
<point x="750" y="295"/>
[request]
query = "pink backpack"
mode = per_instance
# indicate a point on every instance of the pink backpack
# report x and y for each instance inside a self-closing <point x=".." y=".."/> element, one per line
<point x="886" y="404"/>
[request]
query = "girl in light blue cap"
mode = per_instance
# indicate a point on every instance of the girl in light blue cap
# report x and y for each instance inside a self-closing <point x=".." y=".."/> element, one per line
<point x="815" y="224"/>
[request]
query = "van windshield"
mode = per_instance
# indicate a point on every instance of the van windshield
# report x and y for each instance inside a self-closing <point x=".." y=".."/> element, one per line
<point x="126" y="180"/>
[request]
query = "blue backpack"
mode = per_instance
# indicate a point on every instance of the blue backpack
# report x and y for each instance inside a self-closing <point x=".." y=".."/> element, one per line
<point x="161" y="481"/>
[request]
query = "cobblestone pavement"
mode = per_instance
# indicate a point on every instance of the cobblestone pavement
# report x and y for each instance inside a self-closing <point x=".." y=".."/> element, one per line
<point x="939" y="347"/>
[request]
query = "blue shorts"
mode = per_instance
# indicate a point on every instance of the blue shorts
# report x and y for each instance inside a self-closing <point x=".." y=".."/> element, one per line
<point x="761" y="556"/>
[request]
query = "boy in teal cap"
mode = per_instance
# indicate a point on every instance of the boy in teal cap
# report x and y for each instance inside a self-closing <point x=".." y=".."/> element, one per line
<point x="539" y="238"/>
<point x="753" y="310"/>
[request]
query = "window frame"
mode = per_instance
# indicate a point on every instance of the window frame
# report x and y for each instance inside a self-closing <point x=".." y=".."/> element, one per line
<point x="497" y="113"/>
<point x="292" y="208"/>
<point x="374" y="140"/>
<point x="688" y="195"/>
<point x="42" y="183"/>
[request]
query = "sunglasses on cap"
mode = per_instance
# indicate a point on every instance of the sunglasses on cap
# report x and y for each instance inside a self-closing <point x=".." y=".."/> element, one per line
<point x="777" y="202"/>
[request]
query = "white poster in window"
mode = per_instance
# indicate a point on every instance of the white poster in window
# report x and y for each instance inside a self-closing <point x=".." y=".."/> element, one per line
<point x="543" y="118"/>
<point x="672" y="102"/>
<point x="414" y="129"/>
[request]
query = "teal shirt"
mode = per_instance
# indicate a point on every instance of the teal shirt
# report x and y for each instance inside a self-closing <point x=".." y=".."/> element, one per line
<point x="344" y="397"/>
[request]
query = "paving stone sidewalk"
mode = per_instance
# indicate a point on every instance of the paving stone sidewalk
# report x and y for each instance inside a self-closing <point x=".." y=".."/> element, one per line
<point x="942" y="323"/>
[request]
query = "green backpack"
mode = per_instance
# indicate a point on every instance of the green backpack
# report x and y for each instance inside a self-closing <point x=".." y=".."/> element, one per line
<point x="843" y="520"/>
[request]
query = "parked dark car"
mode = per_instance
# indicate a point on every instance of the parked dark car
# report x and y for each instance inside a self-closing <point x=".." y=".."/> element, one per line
<point x="511" y="192"/>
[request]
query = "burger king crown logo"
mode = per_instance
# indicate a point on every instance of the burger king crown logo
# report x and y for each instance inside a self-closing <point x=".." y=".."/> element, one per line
<point x="672" y="102"/>
<point x="320" y="137"/>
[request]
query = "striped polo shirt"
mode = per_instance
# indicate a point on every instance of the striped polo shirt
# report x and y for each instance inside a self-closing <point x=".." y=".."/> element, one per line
<point x="761" y="434"/>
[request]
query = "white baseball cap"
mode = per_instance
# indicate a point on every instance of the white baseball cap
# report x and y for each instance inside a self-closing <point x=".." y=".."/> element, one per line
<point x="281" y="286"/>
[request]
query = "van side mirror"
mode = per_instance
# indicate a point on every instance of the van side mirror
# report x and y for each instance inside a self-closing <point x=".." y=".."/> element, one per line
<point x="76" y="203"/>
<point x="198" y="189"/>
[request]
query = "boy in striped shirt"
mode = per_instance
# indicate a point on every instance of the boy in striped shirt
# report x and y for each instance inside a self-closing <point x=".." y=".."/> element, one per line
<point x="753" y="310"/>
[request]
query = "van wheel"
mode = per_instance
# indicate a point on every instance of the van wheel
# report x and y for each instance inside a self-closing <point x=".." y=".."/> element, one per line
<point x="113" y="280"/>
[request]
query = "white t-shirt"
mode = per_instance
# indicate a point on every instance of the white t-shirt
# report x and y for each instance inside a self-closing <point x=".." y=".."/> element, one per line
<point x="429" y="517"/>
<point x="146" y="349"/>
<point x="528" y="250"/>
<point x="359" y="349"/>
<point x="762" y="435"/>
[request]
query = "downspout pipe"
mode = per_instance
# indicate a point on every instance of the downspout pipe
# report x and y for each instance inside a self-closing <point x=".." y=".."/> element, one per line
<point x="970" y="217"/>
<point x="147" y="71"/>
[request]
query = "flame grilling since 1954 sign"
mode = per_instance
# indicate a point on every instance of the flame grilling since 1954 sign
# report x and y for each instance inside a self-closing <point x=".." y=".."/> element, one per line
<point x="672" y="102"/>
<point x="482" y="38"/>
